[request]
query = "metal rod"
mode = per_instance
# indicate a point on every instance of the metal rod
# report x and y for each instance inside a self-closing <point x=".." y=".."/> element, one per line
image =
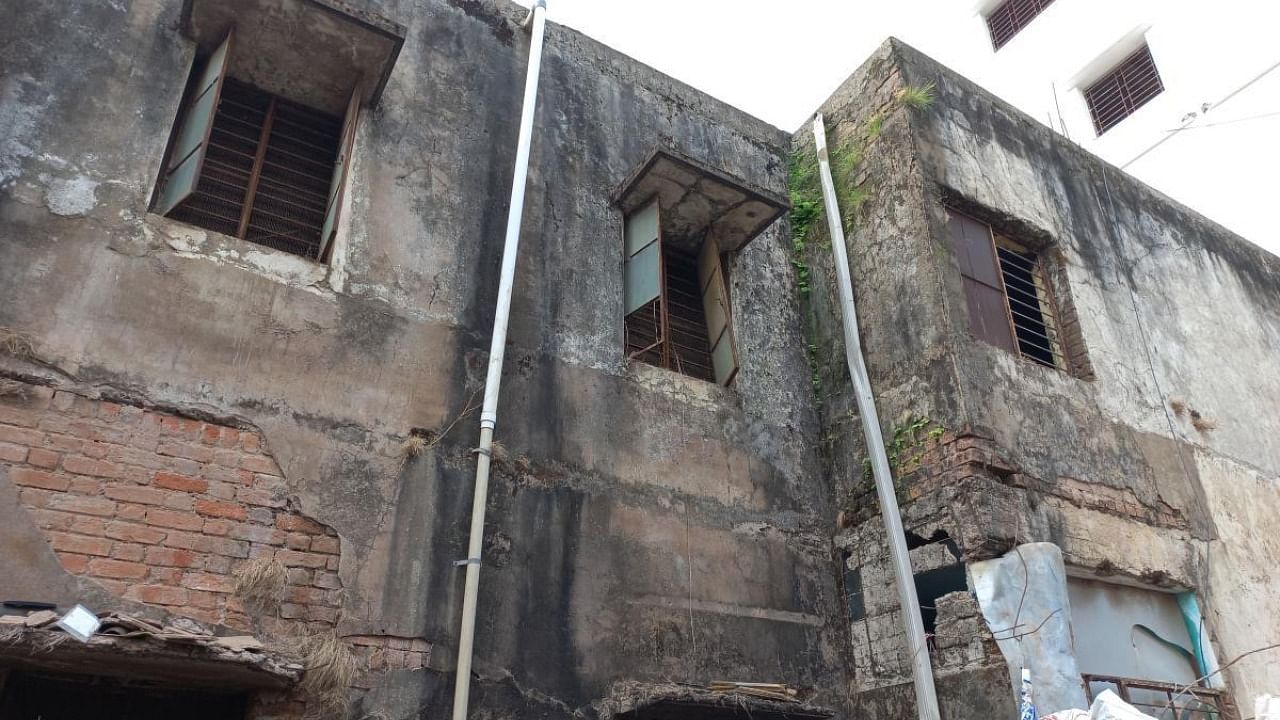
<point x="921" y="669"/>
<point x="497" y="347"/>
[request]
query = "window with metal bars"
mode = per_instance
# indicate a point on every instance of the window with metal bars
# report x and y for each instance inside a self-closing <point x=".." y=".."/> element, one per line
<point x="676" y="303"/>
<point x="1118" y="94"/>
<point x="257" y="166"/>
<point x="1014" y="300"/>
<point x="1010" y="17"/>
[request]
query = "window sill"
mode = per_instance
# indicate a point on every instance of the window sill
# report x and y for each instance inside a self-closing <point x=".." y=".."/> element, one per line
<point x="282" y="267"/>
<point x="700" y="393"/>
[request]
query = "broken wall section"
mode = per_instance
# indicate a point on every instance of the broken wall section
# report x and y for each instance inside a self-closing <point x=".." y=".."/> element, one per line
<point x="165" y="510"/>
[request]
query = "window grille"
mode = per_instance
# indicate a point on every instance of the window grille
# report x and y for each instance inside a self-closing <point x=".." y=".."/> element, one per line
<point x="676" y="303"/>
<point x="257" y="166"/>
<point x="1010" y="17"/>
<point x="1012" y="300"/>
<point x="1119" y="93"/>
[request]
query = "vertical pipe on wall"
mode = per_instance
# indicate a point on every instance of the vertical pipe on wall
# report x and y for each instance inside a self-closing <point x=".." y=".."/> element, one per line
<point x="497" y="347"/>
<point x="921" y="669"/>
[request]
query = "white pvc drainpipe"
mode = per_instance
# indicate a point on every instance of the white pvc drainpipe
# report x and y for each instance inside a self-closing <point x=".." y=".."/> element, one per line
<point x="497" y="346"/>
<point x="921" y="669"/>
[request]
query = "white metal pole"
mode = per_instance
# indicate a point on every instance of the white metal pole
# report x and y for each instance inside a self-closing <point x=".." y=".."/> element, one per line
<point x="497" y="347"/>
<point x="921" y="669"/>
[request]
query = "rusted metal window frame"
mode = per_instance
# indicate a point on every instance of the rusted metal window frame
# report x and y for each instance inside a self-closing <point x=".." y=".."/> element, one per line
<point x="1219" y="700"/>
<point x="1122" y="90"/>
<point x="1009" y="18"/>
<point x="658" y="311"/>
<point x="1066" y="351"/>
<point x="335" y="172"/>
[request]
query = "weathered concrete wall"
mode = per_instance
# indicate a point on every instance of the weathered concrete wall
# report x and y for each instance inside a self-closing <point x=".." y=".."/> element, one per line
<point x="1141" y="473"/>
<point x="645" y="526"/>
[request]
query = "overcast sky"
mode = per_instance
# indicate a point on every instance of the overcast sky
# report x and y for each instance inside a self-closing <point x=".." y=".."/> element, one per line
<point x="776" y="60"/>
<point x="780" y="60"/>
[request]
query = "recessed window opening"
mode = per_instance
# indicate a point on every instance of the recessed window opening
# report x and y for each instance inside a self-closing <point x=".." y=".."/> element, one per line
<point x="676" y="302"/>
<point x="257" y="166"/>
<point x="933" y="584"/>
<point x="1010" y="17"/>
<point x="1118" y="94"/>
<point x="1011" y="299"/>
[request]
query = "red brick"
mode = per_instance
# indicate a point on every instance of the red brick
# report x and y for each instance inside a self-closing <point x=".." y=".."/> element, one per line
<point x="80" y="544"/>
<point x="63" y="400"/>
<point x="21" y="436"/>
<point x="118" y="569"/>
<point x="173" y="481"/>
<point x="299" y="523"/>
<point x="12" y="453"/>
<point x="264" y="498"/>
<point x="226" y="475"/>
<point x="135" y="494"/>
<point x="293" y="558"/>
<point x="221" y="546"/>
<point x="63" y="443"/>
<point x="209" y="434"/>
<point x="197" y="453"/>
<point x="91" y="431"/>
<point x="180" y="501"/>
<point x="179" y="465"/>
<point x="133" y="533"/>
<point x="129" y="511"/>
<point x="170" y="557"/>
<point x="209" y="582"/>
<point x="327" y="580"/>
<point x="101" y="507"/>
<point x="332" y="563"/>
<point x="82" y="485"/>
<point x="218" y="508"/>
<point x="327" y="545"/>
<point x="43" y="458"/>
<point x="222" y="490"/>
<point x="96" y="450"/>
<point x="127" y="551"/>
<point x="257" y="533"/>
<point x="78" y="564"/>
<point x="293" y="611"/>
<point x="217" y="563"/>
<point x="210" y="617"/>
<point x="34" y="497"/>
<point x="229" y="438"/>
<point x="184" y="540"/>
<point x="161" y="575"/>
<point x="259" y="464"/>
<point x="108" y="410"/>
<point x="203" y="599"/>
<point x="88" y="466"/>
<point x="158" y="594"/>
<point x="250" y="441"/>
<point x="15" y="416"/>
<point x="298" y="541"/>
<point x="299" y="576"/>
<point x="216" y="527"/>
<point x="227" y="458"/>
<point x="170" y="424"/>
<point x="115" y="587"/>
<point x="174" y="519"/>
<point x="39" y="478"/>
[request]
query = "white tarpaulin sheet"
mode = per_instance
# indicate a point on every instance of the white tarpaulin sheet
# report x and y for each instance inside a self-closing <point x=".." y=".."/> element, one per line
<point x="1023" y="597"/>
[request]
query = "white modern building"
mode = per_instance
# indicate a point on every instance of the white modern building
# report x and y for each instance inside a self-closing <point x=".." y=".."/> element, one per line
<point x="1184" y="95"/>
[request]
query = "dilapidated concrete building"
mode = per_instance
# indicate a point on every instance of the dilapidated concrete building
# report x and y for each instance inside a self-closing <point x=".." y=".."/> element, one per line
<point x="248" y="262"/>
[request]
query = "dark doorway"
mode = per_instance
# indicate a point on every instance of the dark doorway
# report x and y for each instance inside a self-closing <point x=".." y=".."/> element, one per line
<point x="34" y="696"/>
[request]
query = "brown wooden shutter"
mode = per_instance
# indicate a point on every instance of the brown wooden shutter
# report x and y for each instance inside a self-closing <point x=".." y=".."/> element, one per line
<point x="983" y="287"/>
<point x="715" y="305"/>
<point x="337" y="187"/>
<point x="186" y="158"/>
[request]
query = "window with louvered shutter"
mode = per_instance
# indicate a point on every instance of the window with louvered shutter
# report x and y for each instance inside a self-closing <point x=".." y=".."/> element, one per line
<point x="1010" y="17"/>
<point x="269" y="170"/>
<point x="1011" y="297"/>
<point x="1130" y="85"/>
<point x="676" y="304"/>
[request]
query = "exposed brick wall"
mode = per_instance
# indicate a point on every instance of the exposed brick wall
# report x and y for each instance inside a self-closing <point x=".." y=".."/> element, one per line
<point x="382" y="653"/>
<point x="162" y="509"/>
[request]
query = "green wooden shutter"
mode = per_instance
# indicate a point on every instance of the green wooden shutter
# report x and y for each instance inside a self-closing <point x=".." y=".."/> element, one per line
<point x="642" y="271"/>
<point x="186" y="159"/>
<point x="715" y="303"/>
<point x="338" y="184"/>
